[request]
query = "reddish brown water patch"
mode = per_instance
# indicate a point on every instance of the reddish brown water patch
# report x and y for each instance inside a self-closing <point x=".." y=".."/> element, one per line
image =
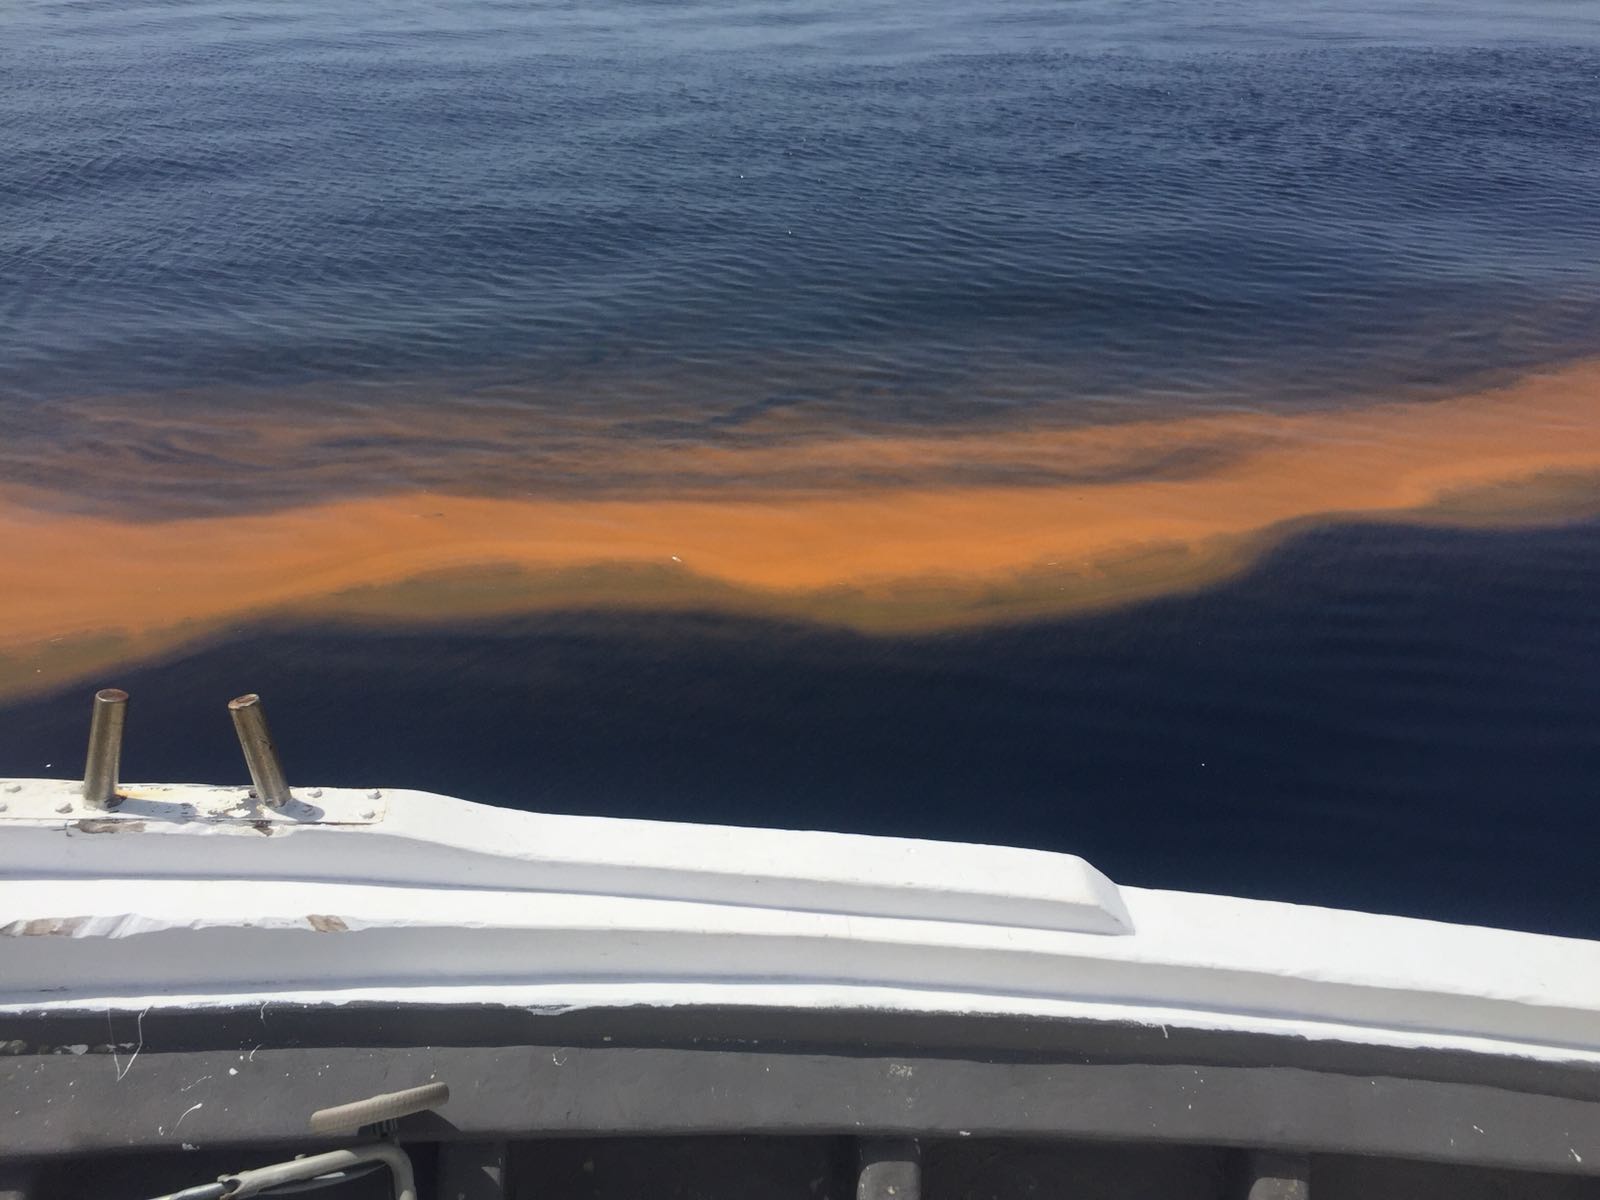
<point x="784" y="530"/>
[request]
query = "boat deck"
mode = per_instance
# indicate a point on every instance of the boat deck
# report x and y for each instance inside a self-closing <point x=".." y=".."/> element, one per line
<point x="627" y="1008"/>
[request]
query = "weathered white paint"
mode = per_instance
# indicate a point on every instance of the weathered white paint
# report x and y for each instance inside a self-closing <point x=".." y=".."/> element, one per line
<point x="442" y="900"/>
<point x="54" y="801"/>
<point x="437" y="841"/>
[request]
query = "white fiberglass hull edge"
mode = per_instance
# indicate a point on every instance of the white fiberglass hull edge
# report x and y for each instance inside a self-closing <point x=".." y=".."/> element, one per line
<point x="411" y="898"/>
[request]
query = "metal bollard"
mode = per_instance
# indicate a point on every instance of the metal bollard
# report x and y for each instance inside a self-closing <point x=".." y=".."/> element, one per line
<point x="260" y="755"/>
<point x="102" y="768"/>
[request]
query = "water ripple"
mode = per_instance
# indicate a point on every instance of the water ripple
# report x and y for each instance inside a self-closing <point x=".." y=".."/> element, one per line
<point x="1273" y="209"/>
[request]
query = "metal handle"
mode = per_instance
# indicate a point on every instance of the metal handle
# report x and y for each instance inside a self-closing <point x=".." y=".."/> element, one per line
<point x="254" y="1183"/>
<point x="347" y="1118"/>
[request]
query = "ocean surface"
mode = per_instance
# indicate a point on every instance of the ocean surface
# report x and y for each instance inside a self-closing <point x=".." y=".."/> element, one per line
<point x="1162" y="430"/>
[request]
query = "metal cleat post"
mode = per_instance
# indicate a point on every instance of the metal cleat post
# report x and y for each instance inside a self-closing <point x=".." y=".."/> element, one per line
<point x="104" y="763"/>
<point x="260" y="755"/>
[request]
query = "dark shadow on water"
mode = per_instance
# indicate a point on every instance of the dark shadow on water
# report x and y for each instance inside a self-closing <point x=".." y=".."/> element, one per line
<point x="1397" y="720"/>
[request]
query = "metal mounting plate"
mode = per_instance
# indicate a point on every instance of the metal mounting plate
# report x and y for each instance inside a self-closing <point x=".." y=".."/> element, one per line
<point x="61" y="801"/>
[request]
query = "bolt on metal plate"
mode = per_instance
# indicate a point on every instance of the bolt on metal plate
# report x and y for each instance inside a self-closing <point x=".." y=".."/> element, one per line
<point x="61" y="801"/>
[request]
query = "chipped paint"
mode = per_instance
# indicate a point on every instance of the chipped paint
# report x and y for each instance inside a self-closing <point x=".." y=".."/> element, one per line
<point x="102" y="825"/>
<point x="44" y="927"/>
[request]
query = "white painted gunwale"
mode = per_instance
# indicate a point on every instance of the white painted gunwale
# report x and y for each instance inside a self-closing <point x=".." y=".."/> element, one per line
<point x="440" y="901"/>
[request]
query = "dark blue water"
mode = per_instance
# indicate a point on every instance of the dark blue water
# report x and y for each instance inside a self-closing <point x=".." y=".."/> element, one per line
<point x="923" y="211"/>
<point x="227" y="217"/>
<point x="1385" y="718"/>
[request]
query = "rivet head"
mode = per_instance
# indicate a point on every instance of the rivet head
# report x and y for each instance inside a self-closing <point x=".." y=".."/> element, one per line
<point x="375" y="794"/>
<point x="315" y="793"/>
<point x="13" y="787"/>
<point x="64" y="808"/>
<point x="368" y="813"/>
<point x="3" y="806"/>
